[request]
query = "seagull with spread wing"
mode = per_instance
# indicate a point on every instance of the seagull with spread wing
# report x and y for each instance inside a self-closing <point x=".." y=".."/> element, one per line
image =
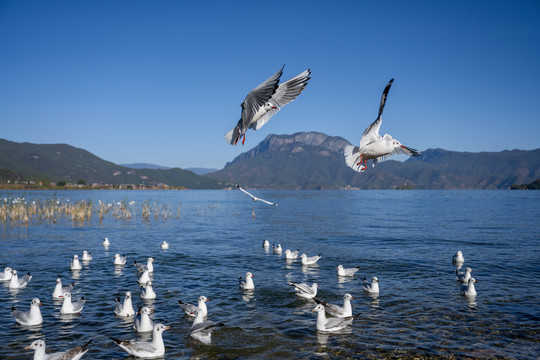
<point x="265" y="101"/>
<point x="374" y="146"/>
<point x="254" y="197"/>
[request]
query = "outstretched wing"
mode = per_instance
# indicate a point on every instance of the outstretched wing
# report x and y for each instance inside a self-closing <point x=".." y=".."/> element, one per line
<point x="285" y="93"/>
<point x="258" y="97"/>
<point x="371" y="134"/>
<point x="244" y="191"/>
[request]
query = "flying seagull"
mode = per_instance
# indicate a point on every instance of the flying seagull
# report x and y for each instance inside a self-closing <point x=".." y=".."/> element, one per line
<point x="265" y="101"/>
<point x="374" y="146"/>
<point x="254" y="197"/>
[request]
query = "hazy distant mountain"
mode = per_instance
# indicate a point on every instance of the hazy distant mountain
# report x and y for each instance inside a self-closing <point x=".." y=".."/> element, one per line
<point x="315" y="161"/>
<point x="201" y="171"/>
<point x="145" y="166"/>
<point x="64" y="162"/>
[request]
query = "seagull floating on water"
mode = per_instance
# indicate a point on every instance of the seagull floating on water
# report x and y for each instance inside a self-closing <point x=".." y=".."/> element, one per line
<point x="266" y="244"/>
<point x="31" y="317"/>
<point x="145" y="349"/>
<point x="106" y="242"/>
<point x="341" y="271"/>
<point x="144" y="323"/>
<point x="202" y="330"/>
<point x="468" y="289"/>
<point x="164" y="245"/>
<point x="149" y="265"/>
<point x="277" y="249"/>
<point x="75" y="264"/>
<point x="254" y="197"/>
<point x="190" y="309"/>
<point x="246" y="284"/>
<point x="60" y="290"/>
<point x="86" y="255"/>
<point x="72" y="354"/>
<point x="144" y="277"/>
<point x="309" y="260"/>
<point x="464" y="276"/>
<point x="331" y="324"/>
<point x="291" y="255"/>
<point x="374" y="146"/>
<point x="16" y="283"/>
<point x="336" y="310"/>
<point x="458" y="258"/>
<point x="371" y="287"/>
<point x="69" y="307"/>
<point x="125" y="309"/>
<point x="265" y="101"/>
<point x="119" y="259"/>
<point x="304" y="290"/>
<point x="6" y="275"/>
<point x="147" y="291"/>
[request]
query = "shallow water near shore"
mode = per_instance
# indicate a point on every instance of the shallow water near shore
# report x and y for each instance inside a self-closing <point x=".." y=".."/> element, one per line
<point x="405" y="238"/>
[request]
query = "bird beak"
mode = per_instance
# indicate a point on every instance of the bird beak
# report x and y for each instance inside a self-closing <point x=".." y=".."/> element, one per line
<point x="166" y="327"/>
<point x="207" y="299"/>
<point x="314" y="310"/>
<point x="40" y="304"/>
<point x="151" y="311"/>
<point x="29" y="347"/>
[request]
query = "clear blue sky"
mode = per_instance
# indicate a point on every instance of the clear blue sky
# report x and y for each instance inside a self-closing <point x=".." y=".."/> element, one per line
<point x="162" y="81"/>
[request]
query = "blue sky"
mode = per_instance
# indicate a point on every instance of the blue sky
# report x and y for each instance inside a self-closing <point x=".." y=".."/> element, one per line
<point x="162" y="81"/>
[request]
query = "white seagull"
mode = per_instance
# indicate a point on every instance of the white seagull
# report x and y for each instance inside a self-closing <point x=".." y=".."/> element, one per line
<point x="309" y="260"/>
<point x="371" y="287"/>
<point x="106" y="242"/>
<point x="266" y="244"/>
<point x="69" y="307"/>
<point x="16" y="283"/>
<point x="145" y="349"/>
<point x="458" y="258"/>
<point x="254" y="197"/>
<point x="191" y="310"/>
<point x="265" y="101"/>
<point x="119" y="259"/>
<point x="75" y="264"/>
<point x="86" y="255"/>
<point x="147" y="291"/>
<point x="149" y="265"/>
<point x="246" y="284"/>
<point x="144" y="277"/>
<point x="464" y="277"/>
<point x="72" y="354"/>
<point x="202" y="330"/>
<point x="59" y="290"/>
<point x="164" y="245"/>
<point x="468" y="289"/>
<point x="144" y="323"/>
<point x="6" y="275"/>
<point x="374" y="146"/>
<point x="30" y="317"/>
<point x="336" y="310"/>
<point x="331" y="324"/>
<point x="341" y="271"/>
<point x="304" y="290"/>
<point x="277" y="249"/>
<point x="125" y="309"/>
<point x="291" y="255"/>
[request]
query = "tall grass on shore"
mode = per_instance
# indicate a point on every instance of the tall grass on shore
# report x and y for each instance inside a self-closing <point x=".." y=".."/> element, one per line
<point x="20" y="212"/>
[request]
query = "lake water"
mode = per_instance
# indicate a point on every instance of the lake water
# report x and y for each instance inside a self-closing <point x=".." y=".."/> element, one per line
<point x="405" y="238"/>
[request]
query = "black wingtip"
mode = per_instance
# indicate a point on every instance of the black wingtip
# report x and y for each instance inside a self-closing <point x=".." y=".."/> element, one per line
<point x="116" y="340"/>
<point x="13" y="308"/>
<point x="85" y="346"/>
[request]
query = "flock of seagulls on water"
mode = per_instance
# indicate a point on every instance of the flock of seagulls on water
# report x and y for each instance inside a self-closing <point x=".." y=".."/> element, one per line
<point x="264" y="101"/>
<point x="330" y="317"/>
<point x="259" y="106"/>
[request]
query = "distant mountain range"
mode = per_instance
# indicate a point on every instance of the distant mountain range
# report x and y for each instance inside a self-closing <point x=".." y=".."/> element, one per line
<point x="315" y="161"/>
<point x="61" y="162"/>
<point x="300" y="161"/>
